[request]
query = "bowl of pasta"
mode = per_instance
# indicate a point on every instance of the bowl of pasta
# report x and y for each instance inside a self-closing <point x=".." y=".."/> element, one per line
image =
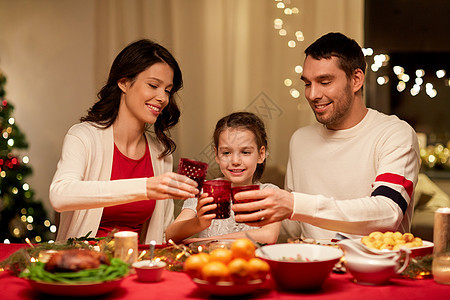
<point x="300" y="266"/>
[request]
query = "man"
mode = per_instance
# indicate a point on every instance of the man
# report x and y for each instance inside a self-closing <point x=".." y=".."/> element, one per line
<point x="355" y="170"/>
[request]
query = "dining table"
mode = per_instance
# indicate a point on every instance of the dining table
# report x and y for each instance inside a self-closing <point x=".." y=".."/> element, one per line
<point x="178" y="285"/>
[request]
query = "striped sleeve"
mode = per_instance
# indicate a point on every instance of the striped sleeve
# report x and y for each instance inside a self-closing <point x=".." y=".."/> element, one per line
<point x="395" y="187"/>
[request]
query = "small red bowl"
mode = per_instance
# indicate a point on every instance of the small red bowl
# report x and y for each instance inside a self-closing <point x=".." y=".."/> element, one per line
<point x="149" y="272"/>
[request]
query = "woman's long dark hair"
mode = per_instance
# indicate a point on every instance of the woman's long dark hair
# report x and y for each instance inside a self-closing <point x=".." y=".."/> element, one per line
<point x="249" y="121"/>
<point x="129" y="63"/>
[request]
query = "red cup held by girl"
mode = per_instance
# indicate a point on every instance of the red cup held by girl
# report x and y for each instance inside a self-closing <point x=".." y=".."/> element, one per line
<point x="220" y="190"/>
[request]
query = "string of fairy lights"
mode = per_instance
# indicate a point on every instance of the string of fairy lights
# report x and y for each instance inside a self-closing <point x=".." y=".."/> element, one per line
<point x="382" y="60"/>
<point x="379" y="60"/>
<point x="433" y="156"/>
<point x="294" y="38"/>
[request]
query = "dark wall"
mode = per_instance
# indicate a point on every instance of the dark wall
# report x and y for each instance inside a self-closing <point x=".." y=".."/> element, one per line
<point x="416" y="35"/>
<point x="408" y="25"/>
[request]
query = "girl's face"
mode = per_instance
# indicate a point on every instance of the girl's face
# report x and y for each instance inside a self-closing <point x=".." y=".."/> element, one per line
<point x="144" y="99"/>
<point x="238" y="155"/>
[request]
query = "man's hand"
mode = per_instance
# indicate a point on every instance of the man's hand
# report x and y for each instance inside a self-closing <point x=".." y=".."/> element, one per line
<point x="273" y="205"/>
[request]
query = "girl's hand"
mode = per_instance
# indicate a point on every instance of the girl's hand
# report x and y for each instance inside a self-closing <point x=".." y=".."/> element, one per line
<point x="204" y="204"/>
<point x="171" y="185"/>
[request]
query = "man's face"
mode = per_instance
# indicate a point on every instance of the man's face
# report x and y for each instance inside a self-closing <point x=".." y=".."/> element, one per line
<point x="329" y="92"/>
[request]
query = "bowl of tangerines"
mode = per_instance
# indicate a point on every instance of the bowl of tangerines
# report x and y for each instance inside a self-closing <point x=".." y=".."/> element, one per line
<point x="229" y="270"/>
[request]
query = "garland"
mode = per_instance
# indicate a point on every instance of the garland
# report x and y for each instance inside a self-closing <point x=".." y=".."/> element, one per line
<point x="419" y="267"/>
<point x="24" y="257"/>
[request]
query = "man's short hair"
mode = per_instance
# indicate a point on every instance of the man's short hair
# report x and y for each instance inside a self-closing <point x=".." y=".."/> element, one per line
<point x="345" y="49"/>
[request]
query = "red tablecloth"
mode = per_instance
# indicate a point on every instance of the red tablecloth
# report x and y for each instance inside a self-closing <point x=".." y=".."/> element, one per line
<point x="179" y="286"/>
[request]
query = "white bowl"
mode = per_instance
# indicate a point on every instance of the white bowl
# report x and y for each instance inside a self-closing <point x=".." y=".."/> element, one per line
<point x="149" y="272"/>
<point x="295" y="275"/>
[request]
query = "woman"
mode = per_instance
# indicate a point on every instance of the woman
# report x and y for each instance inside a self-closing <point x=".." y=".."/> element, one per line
<point x="113" y="173"/>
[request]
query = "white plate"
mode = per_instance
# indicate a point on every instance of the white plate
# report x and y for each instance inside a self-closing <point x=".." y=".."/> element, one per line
<point x="426" y="248"/>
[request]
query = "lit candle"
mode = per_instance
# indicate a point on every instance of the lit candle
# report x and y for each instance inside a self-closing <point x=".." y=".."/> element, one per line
<point x="126" y="246"/>
<point x="441" y="238"/>
<point x="441" y="267"/>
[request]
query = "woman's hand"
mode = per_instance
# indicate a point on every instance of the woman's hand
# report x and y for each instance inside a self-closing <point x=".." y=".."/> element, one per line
<point x="171" y="185"/>
<point x="204" y="204"/>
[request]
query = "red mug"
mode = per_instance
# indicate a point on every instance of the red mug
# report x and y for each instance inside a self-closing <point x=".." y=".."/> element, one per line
<point x="196" y="170"/>
<point x="220" y="190"/>
<point x="243" y="188"/>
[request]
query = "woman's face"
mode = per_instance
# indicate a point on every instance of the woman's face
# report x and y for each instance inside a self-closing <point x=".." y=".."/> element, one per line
<point x="238" y="155"/>
<point x="144" y="99"/>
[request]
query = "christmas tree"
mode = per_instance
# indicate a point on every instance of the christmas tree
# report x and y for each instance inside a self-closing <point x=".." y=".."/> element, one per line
<point x="21" y="216"/>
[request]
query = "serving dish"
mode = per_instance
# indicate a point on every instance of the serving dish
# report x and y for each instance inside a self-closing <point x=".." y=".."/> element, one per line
<point x="425" y="249"/>
<point x="75" y="290"/>
<point x="225" y="288"/>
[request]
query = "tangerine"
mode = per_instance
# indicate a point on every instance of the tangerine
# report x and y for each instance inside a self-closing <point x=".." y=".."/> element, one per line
<point x="243" y="248"/>
<point x="239" y="270"/>
<point x="194" y="264"/>
<point x="220" y="254"/>
<point x="258" y="268"/>
<point x="215" y="271"/>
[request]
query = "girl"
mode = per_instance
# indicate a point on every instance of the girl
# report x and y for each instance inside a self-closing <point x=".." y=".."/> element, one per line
<point x="113" y="173"/>
<point x="240" y="145"/>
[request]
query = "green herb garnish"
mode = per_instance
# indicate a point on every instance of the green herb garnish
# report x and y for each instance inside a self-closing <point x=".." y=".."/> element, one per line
<point x="115" y="270"/>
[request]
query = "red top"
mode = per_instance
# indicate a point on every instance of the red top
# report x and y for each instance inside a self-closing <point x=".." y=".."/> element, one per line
<point x="129" y="216"/>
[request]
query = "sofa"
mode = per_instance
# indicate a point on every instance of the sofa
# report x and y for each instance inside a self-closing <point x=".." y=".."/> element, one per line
<point x="427" y="198"/>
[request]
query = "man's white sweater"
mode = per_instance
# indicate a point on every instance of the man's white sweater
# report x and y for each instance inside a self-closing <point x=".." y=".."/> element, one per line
<point x="356" y="180"/>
